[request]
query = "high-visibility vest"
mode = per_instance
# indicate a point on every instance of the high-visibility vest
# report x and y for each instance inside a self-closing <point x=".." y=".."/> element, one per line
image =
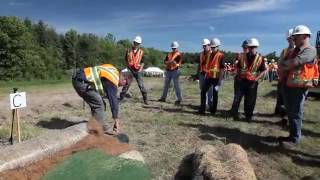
<point x="250" y="73"/>
<point x="213" y="66"/>
<point x="286" y="54"/>
<point x="204" y="59"/>
<point x="171" y="57"/>
<point x="134" y="59"/>
<point x="94" y="75"/>
<point x="305" y="76"/>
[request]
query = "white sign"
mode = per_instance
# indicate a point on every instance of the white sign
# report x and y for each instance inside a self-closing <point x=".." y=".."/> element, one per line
<point x="18" y="100"/>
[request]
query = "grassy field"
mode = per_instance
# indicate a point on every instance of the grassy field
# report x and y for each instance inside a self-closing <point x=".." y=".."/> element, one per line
<point x="166" y="134"/>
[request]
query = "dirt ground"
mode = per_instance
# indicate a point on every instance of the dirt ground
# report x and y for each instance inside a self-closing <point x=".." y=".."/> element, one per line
<point x="95" y="140"/>
<point x="166" y="134"/>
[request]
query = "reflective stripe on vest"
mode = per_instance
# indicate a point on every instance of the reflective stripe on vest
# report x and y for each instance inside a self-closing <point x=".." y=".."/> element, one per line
<point x="94" y="75"/>
<point x="213" y="67"/>
<point x="134" y="59"/>
<point x="306" y="76"/>
<point x="250" y="73"/>
<point x="171" y="57"/>
<point x="204" y="59"/>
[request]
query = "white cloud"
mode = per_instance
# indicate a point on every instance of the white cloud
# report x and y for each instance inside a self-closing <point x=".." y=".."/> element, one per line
<point x="15" y="3"/>
<point x="233" y="7"/>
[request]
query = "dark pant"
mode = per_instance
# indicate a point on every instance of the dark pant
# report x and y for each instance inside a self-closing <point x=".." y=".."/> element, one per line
<point x="138" y="77"/>
<point x="280" y="107"/>
<point x="208" y="83"/>
<point x="92" y="98"/>
<point x="248" y="89"/>
<point x="295" y="98"/>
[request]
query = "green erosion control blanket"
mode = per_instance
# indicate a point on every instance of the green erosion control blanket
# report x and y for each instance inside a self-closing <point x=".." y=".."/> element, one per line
<point x="95" y="164"/>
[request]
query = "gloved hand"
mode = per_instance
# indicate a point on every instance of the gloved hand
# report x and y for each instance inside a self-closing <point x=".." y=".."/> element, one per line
<point x="217" y="87"/>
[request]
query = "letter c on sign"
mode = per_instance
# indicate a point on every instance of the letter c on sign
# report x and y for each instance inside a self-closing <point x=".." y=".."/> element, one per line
<point x="17" y="102"/>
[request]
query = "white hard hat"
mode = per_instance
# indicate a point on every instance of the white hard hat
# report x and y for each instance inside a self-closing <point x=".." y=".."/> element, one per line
<point x="265" y="59"/>
<point x="205" y="42"/>
<point x="215" y="42"/>
<point x="174" y="44"/>
<point x="253" y="42"/>
<point x="138" y="39"/>
<point x="289" y="33"/>
<point x="301" y="29"/>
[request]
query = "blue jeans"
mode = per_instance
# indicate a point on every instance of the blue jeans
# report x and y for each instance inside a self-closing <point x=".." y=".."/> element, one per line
<point x="210" y="91"/>
<point x="172" y="75"/>
<point x="295" y="98"/>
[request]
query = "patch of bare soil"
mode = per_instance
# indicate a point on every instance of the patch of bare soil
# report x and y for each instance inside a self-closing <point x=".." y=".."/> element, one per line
<point x="95" y="139"/>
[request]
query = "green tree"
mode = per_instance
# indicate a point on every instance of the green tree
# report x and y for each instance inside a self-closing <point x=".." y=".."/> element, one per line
<point x="70" y="49"/>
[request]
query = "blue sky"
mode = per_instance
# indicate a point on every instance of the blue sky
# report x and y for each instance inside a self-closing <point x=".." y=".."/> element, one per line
<point x="162" y="21"/>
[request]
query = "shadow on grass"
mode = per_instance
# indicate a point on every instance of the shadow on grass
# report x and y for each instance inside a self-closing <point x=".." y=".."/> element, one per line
<point x="260" y="144"/>
<point x="57" y="123"/>
<point x="175" y="110"/>
<point x="305" y="132"/>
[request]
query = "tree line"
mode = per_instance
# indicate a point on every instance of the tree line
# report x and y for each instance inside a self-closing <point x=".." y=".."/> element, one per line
<point x="34" y="50"/>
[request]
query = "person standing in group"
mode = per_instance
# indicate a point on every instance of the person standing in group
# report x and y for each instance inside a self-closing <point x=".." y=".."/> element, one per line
<point x="134" y="61"/>
<point x="236" y="81"/>
<point x="204" y="60"/>
<point x="302" y="74"/>
<point x="285" y="54"/>
<point x="173" y="62"/>
<point x="251" y="69"/>
<point x="213" y="77"/>
<point x="271" y="70"/>
<point x="94" y="83"/>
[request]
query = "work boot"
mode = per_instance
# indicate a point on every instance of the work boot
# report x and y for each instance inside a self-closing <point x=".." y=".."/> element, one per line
<point x="145" y="98"/>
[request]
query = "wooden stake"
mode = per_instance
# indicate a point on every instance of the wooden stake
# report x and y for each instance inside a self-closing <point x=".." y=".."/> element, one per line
<point x="18" y="124"/>
<point x="12" y="125"/>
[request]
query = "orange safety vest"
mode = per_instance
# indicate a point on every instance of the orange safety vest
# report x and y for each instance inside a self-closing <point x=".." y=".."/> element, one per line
<point x="213" y="66"/>
<point x="134" y="59"/>
<point x="250" y="73"/>
<point x="204" y="59"/>
<point x="94" y="75"/>
<point x="285" y="55"/>
<point x="171" y="57"/>
<point x="305" y="76"/>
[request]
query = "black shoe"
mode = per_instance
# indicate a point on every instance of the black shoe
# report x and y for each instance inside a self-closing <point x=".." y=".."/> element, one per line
<point x="212" y="112"/>
<point x="201" y="112"/>
<point x="177" y="102"/>
<point x="249" y="119"/>
<point x="161" y="100"/>
<point x="235" y="117"/>
<point x="145" y="102"/>
<point x="284" y="122"/>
